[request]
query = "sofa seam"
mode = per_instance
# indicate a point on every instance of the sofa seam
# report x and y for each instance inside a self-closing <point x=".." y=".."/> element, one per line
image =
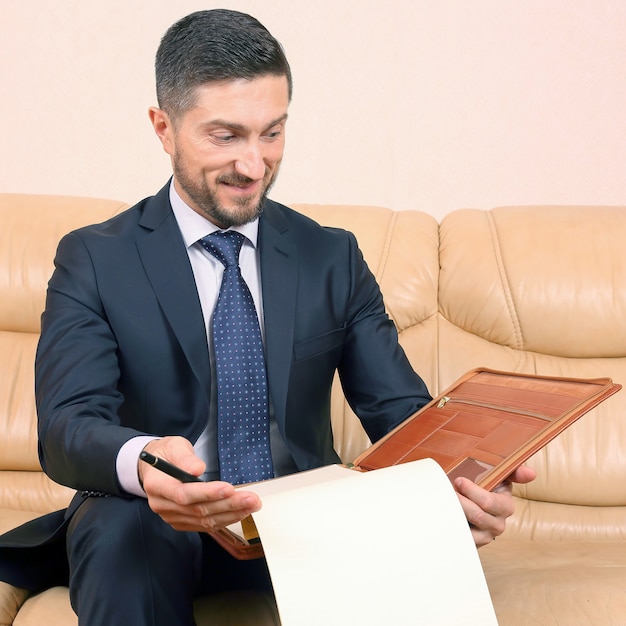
<point x="505" y="282"/>
<point x="384" y="257"/>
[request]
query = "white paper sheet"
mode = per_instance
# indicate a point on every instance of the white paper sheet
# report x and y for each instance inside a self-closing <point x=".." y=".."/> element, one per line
<point x="386" y="547"/>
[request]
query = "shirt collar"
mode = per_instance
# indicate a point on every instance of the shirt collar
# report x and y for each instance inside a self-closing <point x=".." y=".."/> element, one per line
<point x="193" y="226"/>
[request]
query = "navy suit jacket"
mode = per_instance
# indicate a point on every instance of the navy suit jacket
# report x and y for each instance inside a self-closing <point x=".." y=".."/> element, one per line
<point x="123" y="348"/>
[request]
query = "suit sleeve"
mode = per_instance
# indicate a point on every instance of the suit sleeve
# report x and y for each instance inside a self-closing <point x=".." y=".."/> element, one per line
<point x="378" y="381"/>
<point x="76" y="378"/>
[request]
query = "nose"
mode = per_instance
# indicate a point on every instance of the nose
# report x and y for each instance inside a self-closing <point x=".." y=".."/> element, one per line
<point x="251" y="162"/>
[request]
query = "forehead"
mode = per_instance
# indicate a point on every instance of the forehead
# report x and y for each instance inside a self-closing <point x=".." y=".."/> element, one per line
<point x="242" y="101"/>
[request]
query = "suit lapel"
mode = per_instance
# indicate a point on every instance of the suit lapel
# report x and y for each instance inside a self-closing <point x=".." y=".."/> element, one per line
<point x="167" y="266"/>
<point x="279" y="267"/>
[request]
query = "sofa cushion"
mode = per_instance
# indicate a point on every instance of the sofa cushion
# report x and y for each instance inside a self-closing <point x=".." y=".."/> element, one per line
<point x="556" y="582"/>
<point x="230" y="609"/>
<point x="11" y="599"/>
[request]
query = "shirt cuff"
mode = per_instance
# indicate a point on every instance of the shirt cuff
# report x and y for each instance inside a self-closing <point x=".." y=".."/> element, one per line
<point x="126" y="464"/>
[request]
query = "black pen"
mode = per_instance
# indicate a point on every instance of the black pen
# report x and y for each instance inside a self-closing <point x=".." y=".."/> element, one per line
<point x="168" y="468"/>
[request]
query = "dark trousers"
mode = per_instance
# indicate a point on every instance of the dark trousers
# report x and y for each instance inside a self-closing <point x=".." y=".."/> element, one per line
<point x="127" y="566"/>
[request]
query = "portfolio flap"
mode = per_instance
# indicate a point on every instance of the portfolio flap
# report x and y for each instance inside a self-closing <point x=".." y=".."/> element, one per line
<point x="488" y="423"/>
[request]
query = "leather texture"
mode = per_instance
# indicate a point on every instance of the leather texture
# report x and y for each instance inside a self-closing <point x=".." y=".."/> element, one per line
<point x="528" y="289"/>
<point x="487" y="423"/>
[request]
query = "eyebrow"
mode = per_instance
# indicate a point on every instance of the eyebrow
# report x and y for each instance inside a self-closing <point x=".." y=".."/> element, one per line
<point x="241" y="127"/>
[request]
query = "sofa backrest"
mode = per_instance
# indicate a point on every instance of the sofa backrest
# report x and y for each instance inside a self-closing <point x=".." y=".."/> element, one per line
<point x="543" y="289"/>
<point x="402" y="251"/>
<point x="30" y="229"/>
<point x="529" y="289"/>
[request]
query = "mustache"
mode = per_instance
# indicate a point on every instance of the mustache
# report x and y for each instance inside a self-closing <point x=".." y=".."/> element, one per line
<point x="238" y="180"/>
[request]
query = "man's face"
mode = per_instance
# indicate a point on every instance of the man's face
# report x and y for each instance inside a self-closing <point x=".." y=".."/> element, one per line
<point x="226" y="150"/>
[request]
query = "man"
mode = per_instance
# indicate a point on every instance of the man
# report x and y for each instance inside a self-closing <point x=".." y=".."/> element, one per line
<point x="130" y="356"/>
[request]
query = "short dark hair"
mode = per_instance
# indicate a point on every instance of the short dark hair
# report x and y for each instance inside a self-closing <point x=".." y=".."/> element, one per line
<point x="209" y="46"/>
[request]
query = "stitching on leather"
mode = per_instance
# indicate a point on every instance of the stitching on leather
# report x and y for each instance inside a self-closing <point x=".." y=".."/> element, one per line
<point x="504" y="280"/>
<point x="419" y="443"/>
<point x="387" y="245"/>
<point x="384" y="257"/>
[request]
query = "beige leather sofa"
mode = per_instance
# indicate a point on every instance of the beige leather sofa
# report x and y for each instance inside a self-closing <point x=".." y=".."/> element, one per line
<point x="532" y="289"/>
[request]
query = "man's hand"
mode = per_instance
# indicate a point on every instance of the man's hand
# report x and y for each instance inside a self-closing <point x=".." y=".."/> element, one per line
<point x="200" y="507"/>
<point x="487" y="511"/>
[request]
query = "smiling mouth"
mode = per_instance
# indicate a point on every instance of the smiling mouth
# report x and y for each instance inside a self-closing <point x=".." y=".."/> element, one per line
<point x="241" y="182"/>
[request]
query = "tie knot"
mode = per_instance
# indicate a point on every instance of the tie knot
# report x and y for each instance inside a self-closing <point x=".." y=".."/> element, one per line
<point x="224" y="246"/>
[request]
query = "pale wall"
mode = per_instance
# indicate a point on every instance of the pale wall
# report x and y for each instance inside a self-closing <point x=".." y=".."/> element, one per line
<point x="428" y="104"/>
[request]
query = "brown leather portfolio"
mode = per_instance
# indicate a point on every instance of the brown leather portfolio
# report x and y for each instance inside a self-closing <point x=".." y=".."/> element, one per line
<point x="488" y="423"/>
<point x="483" y="427"/>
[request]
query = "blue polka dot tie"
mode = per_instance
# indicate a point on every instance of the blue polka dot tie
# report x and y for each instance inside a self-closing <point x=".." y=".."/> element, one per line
<point x="242" y="396"/>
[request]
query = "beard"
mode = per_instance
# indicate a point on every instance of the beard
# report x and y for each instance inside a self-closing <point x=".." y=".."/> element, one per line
<point x="240" y="212"/>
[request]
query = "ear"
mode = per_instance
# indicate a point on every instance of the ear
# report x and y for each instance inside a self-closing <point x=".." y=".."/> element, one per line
<point x="163" y="128"/>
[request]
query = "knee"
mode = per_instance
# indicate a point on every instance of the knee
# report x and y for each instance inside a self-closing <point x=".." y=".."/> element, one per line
<point x="118" y="549"/>
<point x="113" y="529"/>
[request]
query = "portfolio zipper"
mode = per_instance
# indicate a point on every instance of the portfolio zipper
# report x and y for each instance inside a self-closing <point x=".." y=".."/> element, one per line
<point x="446" y="399"/>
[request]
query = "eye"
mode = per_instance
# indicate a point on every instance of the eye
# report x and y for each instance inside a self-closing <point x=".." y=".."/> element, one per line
<point x="273" y="134"/>
<point x="223" y="138"/>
